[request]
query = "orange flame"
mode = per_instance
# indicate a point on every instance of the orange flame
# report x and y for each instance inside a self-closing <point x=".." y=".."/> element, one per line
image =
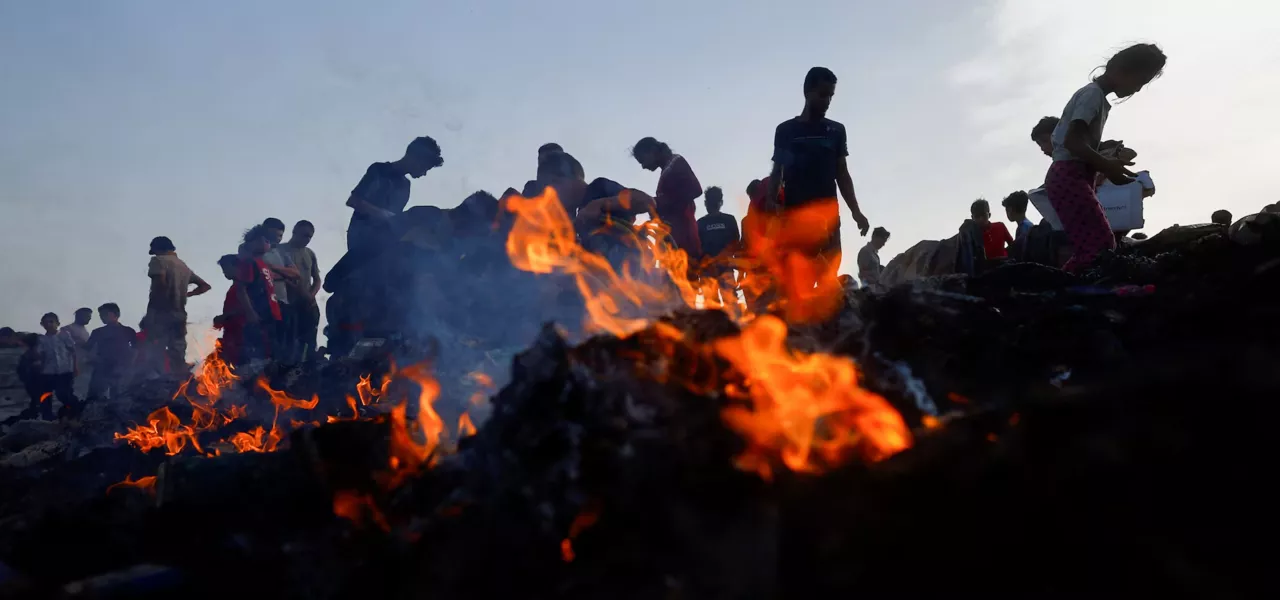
<point x="585" y="519"/>
<point x="465" y="427"/>
<point x="543" y="240"/>
<point x="45" y="396"/>
<point x="356" y="507"/>
<point x="284" y="401"/>
<point x="257" y="439"/>
<point x="164" y="431"/>
<point x="795" y="253"/>
<point x="147" y="483"/>
<point x="802" y="405"/>
<point x="414" y="445"/>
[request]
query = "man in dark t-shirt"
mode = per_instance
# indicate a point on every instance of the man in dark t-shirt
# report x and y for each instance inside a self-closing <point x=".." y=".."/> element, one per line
<point x="809" y="161"/>
<point x="718" y="232"/>
<point x="383" y="192"/>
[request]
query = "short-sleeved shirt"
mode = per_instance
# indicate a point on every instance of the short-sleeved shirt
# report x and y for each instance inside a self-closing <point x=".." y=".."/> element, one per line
<point x="1088" y="104"/>
<point x="278" y="257"/>
<point x="869" y="264"/>
<point x="809" y="152"/>
<point x="57" y="353"/>
<point x="255" y="275"/>
<point x="177" y="279"/>
<point x="1024" y="227"/>
<point x="678" y="187"/>
<point x="994" y="238"/>
<point x="717" y="232"/>
<point x="383" y="186"/>
<point x="111" y="345"/>
<point x="305" y="260"/>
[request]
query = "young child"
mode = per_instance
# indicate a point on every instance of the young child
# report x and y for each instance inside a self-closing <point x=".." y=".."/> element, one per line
<point x="254" y="276"/>
<point x="235" y="308"/>
<point x="58" y="367"/>
<point x="1015" y="209"/>
<point x="111" y="348"/>
<point x="1069" y="183"/>
<point x="995" y="236"/>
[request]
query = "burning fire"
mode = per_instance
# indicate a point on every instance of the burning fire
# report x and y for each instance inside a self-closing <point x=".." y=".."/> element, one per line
<point x="806" y="408"/>
<point x="413" y="445"/>
<point x="147" y="483"/>
<point x="584" y="519"/>
<point x="164" y="430"/>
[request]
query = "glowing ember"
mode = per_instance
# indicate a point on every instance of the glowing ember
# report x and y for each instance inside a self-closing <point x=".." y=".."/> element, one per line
<point x="163" y="430"/>
<point x="147" y="483"/>
<point x="805" y="406"/>
<point x="465" y="426"/>
<point x="588" y="517"/>
<point x="45" y="396"/>
<point x="357" y="508"/>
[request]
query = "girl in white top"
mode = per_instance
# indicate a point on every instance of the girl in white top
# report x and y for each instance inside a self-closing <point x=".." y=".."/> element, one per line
<point x="1069" y="183"/>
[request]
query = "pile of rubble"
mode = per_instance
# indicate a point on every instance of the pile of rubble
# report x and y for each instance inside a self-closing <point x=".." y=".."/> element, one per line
<point x="1068" y="435"/>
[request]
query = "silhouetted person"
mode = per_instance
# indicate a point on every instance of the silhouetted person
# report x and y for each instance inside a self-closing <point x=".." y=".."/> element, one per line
<point x="1015" y="209"/>
<point x="718" y="233"/>
<point x="111" y="347"/>
<point x="58" y="368"/>
<point x="1042" y="134"/>
<point x="166" y="318"/>
<point x="678" y="188"/>
<point x="1221" y="217"/>
<point x="303" y="290"/>
<point x="869" y="267"/>
<point x="383" y="192"/>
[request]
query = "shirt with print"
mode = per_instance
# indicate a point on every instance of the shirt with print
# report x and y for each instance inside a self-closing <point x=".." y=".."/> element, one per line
<point x="678" y="187"/>
<point x="255" y="275"/>
<point x="385" y="187"/>
<point x="717" y="232"/>
<point x="994" y="238"/>
<point x="112" y="345"/>
<point x="1089" y="104"/>
<point x="171" y="278"/>
<point x="278" y="257"/>
<point x="809" y="152"/>
<point x="57" y="353"/>
<point x="305" y="260"/>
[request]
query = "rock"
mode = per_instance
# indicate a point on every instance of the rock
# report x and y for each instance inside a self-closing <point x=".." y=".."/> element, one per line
<point x="25" y="433"/>
<point x="35" y="454"/>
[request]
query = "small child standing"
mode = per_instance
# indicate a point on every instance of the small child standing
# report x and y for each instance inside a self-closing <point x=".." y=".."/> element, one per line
<point x="58" y="367"/>
<point x="1069" y="183"/>
<point x="235" y="308"/>
<point x="111" y="347"/>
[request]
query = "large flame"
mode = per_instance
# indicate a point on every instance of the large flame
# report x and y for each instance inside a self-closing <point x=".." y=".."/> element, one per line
<point x="796" y="256"/>
<point x="805" y="408"/>
<point x="163" y="430"/>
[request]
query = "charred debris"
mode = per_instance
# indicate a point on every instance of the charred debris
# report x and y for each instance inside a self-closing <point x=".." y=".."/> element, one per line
<point x="1098" y="435"/>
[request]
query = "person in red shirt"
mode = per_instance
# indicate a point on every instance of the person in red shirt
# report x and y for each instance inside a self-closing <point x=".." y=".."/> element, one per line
<point x="235" y="308"/>
<point x="254" y="276"/>
<point x="995" y="236"/>
<point x="677" y="190"/>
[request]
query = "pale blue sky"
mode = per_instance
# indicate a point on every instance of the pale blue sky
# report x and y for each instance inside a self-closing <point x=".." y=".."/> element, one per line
<point x="124" y="120"/>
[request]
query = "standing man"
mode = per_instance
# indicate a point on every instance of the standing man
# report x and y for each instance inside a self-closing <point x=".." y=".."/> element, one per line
<point x="719" y="235"/>
<point x="303" y="290"/>
<point x="80" y="334"/>
<point x="78" y="331"/>
<point x="283" y="271"/>
<point x="383" y="192"/>
<point x="869" y="267"/>
<point x="166" y="318"/>
<point x="677" y="190"/>
<point x="810" y="161"/>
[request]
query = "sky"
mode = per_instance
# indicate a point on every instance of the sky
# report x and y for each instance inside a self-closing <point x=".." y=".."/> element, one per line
<point x="124" y="120"/>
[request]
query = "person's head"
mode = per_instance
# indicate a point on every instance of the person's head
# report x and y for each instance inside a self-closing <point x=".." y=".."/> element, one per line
<point x="980" y="211"/>
<point x="1015" y="206"/>
<point x="30" y="340"/>
<point x="713" y="199"/>
<point x="6" y="332"/>
<point x="1133" y="68"/>
<point x="257" y="241"/>
<point x="563" y="173"/>
<point x="109" y="313"/>
<point x="819" y="88"/>
<point x="753" y="188"/>
<point x="161" y="245"/>
<point x="303" y="231"/>
<point x="879" y="237"/>
<point x="1221" y="217"/>
<point x="84" y="316"/>
<point x="275" y="227"/>
<point x="1042" y="134"/>
<point x="229" y="263"/>
<point x="422" y="155"/>
<point x="651" y="154"/>
<point x="548" y="148"/>
<point x="50" y="322"/>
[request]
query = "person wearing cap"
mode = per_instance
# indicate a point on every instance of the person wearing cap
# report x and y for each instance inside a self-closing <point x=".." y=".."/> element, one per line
<point x="383" y="192"/>
<point x="166" y="318"/>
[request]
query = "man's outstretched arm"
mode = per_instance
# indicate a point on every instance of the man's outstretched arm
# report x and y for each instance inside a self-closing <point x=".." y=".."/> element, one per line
<point x="845" y="181"/>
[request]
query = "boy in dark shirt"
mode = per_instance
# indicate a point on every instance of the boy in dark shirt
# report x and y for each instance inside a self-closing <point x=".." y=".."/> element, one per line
<point x="809" y="161"/>
<point x="111" y="347"/>
<point x="718" y="232"/>
<point x="383" y="192"/>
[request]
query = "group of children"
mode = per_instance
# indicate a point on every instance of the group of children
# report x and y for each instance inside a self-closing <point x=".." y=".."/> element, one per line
<point x="52" y="361"/>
